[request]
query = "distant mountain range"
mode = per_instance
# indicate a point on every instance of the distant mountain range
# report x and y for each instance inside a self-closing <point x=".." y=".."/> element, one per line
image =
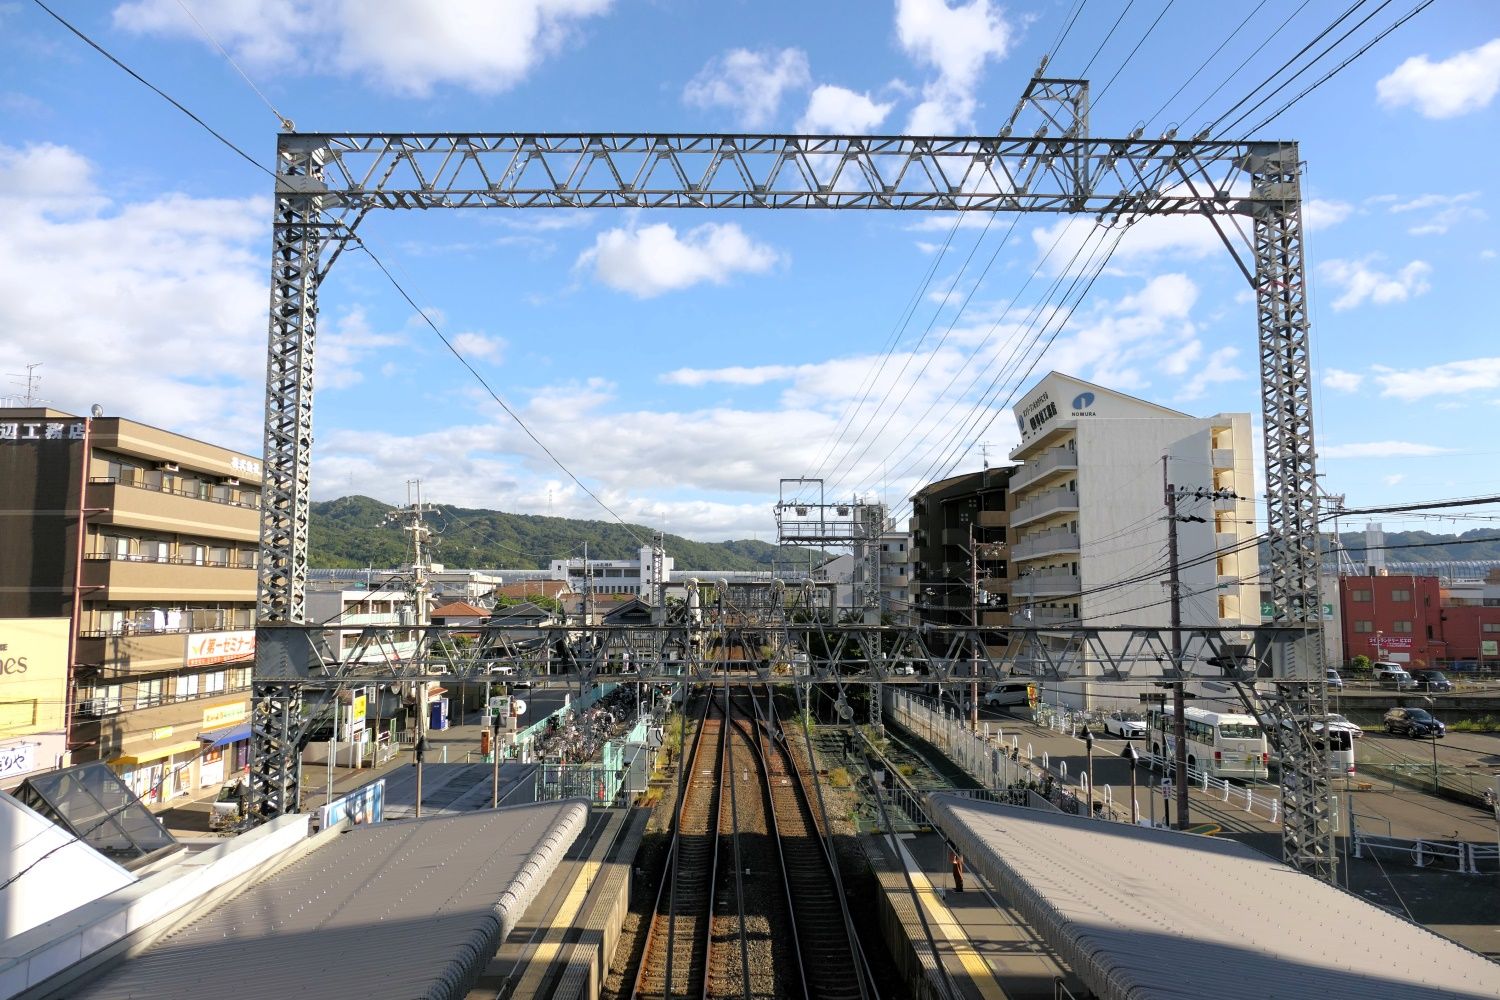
<point x="352" y="532"/>
<point x="1424" y="546"/>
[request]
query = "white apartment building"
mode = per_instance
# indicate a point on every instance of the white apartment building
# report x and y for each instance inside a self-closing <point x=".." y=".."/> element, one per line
<point x="631" y="577"/>
<point x="1088" y="517"/>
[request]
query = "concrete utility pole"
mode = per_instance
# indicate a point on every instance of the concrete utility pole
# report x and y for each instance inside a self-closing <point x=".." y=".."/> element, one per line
<point x="974" y="617"/>
<point x="1179" y="709"/>
<point x="412" y="521"/>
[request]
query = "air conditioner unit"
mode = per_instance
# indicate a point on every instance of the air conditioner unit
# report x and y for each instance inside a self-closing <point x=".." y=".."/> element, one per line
<point x="169" y="467"/>
<point x="231" y="482"/>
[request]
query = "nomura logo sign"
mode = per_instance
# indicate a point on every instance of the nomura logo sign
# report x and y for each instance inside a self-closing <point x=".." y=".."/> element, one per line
<point x="1082" y="404"/>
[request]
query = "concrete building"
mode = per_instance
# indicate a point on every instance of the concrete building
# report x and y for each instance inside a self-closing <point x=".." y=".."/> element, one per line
<point x="1088" y="515"/>
<point x="637" y="578"/>
<point x="843" y="573"/>
<point x="949" y="517"/>
<point x="1417" y="621"/>
<point x="145" y="543"/>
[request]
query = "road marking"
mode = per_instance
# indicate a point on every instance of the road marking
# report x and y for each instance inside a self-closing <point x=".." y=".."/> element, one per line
<point x="945" y="925"/>
<point x="547" y="951"/>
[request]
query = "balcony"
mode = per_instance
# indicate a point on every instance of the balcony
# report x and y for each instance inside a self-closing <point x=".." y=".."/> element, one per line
<point x="1047" y="583"/>
<point x="1226" y="505"/>
<point x="134" y="654"/>
<point x="1043" y="505"/>
<point x="994" y="618"/>
<point x="1226" y="541"/>
<point x="1223" y="458"/>
<point x="170" y="512"/>
<point x="992" y="518"/>
<point x="1048" y="616"/>
<point x="135" y="579"/>
<point x="956" y="536"/>
<point x="1048" y="462"/>
<point x="1044" y="543"/>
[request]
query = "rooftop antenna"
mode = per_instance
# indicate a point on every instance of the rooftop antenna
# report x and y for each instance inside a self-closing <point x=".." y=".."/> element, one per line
<point x="984" y="453"/>
<point x="31" y="382"/>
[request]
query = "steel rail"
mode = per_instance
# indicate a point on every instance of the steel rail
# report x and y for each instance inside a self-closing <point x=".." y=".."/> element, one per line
<point x="666" y="889"/>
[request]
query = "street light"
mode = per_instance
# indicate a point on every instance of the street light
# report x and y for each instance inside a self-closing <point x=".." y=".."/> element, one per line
<point x="1088" y="749"/>
<point x="1131" y="758"/>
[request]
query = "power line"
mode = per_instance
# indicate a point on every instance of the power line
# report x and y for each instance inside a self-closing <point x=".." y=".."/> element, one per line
<point x="1110" y="34"/>
<point x="286" y="123"/>
<point x="1105" y="89"/>
<point x="155" y="89"/>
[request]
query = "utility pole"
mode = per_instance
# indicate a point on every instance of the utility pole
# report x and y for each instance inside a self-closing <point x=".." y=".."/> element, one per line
<point x="412" y="521"/>
<point x="974" y="618"/>
<point x="1179" y="709"/>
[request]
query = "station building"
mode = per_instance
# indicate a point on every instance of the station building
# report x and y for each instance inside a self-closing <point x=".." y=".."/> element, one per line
<point x="1087" y="516"/>
<point x="143" y="543"/>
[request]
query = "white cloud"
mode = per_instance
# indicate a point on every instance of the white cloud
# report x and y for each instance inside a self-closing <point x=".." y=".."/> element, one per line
<point x="1217" y="368"/>
<point x="479" y="345"/>
<point x="956" y="42"/>
<point x="650" y="260"/>
<point x="732" y="375"/>
<point x="1342" y="381"/>
<point x="1320" y="213"/>
<point x="1381" y="449"/>
<point x="1394" y="479"/>
<point x="1439" y="380"/>
<point x="343" y="343"/>
<point x="153" y="308"/>
<point x="405" y="46"/>
<point x="749" y="83"/>
<point x="840" y="111"/>
<point x="1440" y="212"/>
<point x="1358" y="282"/>
<point x="1455" y="86"/>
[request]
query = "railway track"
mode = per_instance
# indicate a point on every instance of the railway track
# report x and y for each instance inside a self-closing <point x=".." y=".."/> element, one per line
<point x="676" y="956"/>
<point x="750" y="905"/>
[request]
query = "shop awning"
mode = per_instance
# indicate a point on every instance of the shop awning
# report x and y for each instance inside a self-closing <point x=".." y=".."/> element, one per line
<point x="155" y="753"/>
<point x="219" y="737"/>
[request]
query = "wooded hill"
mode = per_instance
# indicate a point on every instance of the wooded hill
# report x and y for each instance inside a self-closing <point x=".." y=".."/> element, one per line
<point x="352" y="532"/>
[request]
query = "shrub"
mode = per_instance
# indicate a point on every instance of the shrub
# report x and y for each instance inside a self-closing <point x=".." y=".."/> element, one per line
<point x="838" y="777"/>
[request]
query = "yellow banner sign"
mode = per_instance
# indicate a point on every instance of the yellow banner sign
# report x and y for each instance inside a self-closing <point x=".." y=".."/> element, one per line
<point x="33" y="675"/>
<point x="216" y="716"/>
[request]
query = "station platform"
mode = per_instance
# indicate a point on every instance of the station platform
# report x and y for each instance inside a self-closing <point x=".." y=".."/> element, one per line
<point x="984" y="950"/>
<point x="561" y="947"/>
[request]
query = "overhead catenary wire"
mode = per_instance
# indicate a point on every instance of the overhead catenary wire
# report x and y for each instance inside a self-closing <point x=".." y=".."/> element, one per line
<point x="286" y="123"/>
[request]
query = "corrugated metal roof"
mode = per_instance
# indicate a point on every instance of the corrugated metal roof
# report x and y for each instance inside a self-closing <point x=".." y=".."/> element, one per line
<point x="1146" y="914"/>
<point x="405" y="909"/>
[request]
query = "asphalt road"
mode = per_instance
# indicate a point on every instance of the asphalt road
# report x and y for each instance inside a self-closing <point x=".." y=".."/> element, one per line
<point x="1470" y="751"/>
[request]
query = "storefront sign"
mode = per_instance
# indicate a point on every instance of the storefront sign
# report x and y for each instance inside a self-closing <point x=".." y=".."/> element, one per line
<point x="1489" y="647"/>
<point x="217" y="716"/>
<point x="13" y="432"/>
<point x="207" y="648"/>
<point x="17" y="759"/>
<point x="161" y="732"/>
<point x="33" y="675"/>
<point x="248" y="466"/>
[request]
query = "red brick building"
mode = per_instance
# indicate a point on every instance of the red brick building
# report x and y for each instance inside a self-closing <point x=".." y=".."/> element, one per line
<point x="1413" y="620"/>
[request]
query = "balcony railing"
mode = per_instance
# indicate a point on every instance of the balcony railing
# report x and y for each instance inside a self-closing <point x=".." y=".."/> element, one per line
<point x="247" y="500"/>
<point x="1223" y="458"/>
<point x="1045" y="584"/>
<point x="1049" y="461"/>
<point x="1043" y="504"/>
<point x="1046" y="542"/>
<point x="105" y="555"/>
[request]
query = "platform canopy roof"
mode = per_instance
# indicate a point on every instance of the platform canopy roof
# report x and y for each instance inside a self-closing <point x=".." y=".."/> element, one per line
<point x="1149" y="914"/>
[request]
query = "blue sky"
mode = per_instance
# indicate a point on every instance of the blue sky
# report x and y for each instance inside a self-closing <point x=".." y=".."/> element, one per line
<point x="681" y="363"/>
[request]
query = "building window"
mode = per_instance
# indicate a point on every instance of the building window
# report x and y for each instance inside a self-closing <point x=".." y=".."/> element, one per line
<point x="1404" y="627"/>
<point x="148" y="693"/>
<point x="105" y="699"/>
<point x="186" y="687"/>
<point x="1364" y="626"/>
<point x="213" y="683"/>
<point x="1491" y="627"/>
<point x="1359" y="595"/>
<point x="1400" y="595"/>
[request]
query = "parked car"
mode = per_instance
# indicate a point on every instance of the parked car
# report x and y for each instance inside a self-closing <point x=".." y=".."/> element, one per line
<point x="1394" y="675"/>
<point x="1336" y="721"/>
<point x="1414" y="722"/>
<point x="1125" y="723"/>
<point x="1431" y="680"/>
<point x="1335" y="682"/>
<point x="229" y="807"/>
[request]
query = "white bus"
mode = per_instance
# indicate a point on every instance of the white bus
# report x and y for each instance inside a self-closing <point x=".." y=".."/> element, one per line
<point x="1339" y="745"/>
<point x="1220" y="744"/>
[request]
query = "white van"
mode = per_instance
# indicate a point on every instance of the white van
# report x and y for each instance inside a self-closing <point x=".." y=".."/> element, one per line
<point x="1393" y="675"/>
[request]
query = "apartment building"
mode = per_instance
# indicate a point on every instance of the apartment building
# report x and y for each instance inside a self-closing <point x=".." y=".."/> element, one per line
<point x="953" y="521"/>
<point x="1088" y="514"/>
<point x="146" y="542"/>
<point x="639" y="578"/>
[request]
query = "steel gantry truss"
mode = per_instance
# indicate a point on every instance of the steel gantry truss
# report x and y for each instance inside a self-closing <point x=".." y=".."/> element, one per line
<point x="327" y="182"/>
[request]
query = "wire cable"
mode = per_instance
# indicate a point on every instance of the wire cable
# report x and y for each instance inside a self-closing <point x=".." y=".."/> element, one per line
<point x="1106" y="39"/>
<point x="286" y="123"/>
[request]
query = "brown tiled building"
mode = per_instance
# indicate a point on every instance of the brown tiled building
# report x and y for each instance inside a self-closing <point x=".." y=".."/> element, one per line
<point x="146" y="542"/>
